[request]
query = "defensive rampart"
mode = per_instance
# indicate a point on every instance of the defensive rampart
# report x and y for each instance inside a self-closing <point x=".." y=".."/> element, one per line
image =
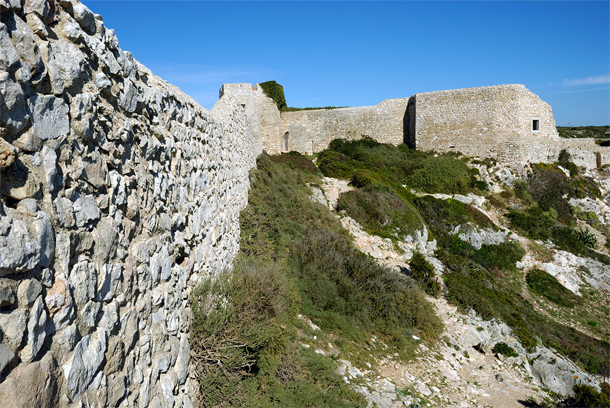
<point x="119" y="193"/>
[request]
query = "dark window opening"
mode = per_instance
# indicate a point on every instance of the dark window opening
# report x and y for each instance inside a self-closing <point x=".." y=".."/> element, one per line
<point x="286" y="141"/>
<point x="535" y="125"/>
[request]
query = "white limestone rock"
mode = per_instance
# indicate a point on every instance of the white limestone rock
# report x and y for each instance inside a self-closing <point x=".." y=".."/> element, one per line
<point x="66" y="65"/>
<point x="19" y="251"/>
<point x="13" y="111"/>
<point x="49" y="116"/>
<point x="36" y="333"/>
<point x="85" y="209"/>
<point x="82" y="367"/>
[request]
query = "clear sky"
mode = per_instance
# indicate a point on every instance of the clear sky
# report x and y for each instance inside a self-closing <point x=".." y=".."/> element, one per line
<point x="347" y="53"/>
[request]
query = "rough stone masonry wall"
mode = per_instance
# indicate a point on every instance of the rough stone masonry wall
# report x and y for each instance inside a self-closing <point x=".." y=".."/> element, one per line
<point x="494" y="121"/>
<point x="118" y="194"/>
<point x="311" y="131"/>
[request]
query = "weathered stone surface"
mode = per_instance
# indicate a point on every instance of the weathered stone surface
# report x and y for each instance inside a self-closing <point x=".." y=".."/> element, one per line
<point x="36" y="331"/>
<point x="13" y="325"/>
<point x="110" y="282"/>
<point x="9" y="58"/>
<point x="7" y="293"/>
<point x="66" y="66"/>
<point x="28" y="142"/>
<point x="49" y="159"/>
<point x="88" y="355"/>
<point x="32" y="385"/>
<point x="19" y="251"/>
<point x="20" y="182"/>
<point x="43" y="233"/>
<point x="85" y="18"/>
<point x="28" y="291"/>
<point x="85" y="210"/>
<point x="29" y="54"/>
<point x="7" y="154"/>
<point x="13" y="111"/>
<point x="128" y="99"/>
<point x="59" y="302"/>
<point x="83" y="279"/>
<point x="6" y="357"/>
<point x="49" y="116"/>
<point x="115" y="356"/>
<point x="64" y="210"/>
<point x="40" y="7"/>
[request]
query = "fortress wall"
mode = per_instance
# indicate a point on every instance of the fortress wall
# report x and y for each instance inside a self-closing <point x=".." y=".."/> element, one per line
<point x="312" y="130"/>
<point x="493" y="122"/>
<point x="119" y="193"/>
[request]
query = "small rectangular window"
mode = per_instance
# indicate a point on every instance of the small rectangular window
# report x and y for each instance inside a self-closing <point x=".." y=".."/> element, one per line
<point x="535" y="125"/>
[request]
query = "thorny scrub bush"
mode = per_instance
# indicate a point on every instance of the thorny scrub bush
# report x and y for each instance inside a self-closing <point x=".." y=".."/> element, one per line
<point x="504" y="349"/>
<point x="423" y="272"/>
<point x="337" y="279"/>
<point x="543" y="284"/>
<point x="381" y="212"/>
<point x="235" y="318"/>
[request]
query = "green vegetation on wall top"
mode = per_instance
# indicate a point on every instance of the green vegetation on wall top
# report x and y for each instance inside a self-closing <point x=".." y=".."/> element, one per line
<point x="275" y="91"/>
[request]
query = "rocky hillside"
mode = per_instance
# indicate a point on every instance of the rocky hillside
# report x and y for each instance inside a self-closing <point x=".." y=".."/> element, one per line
<point x="492" y="291"/>
<point x="118" y="193"/>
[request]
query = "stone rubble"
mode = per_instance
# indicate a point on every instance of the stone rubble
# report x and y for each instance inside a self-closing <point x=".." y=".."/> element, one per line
<point x="119" y="193"/>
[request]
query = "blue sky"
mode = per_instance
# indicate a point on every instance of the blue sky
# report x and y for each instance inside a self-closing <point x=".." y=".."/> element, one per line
<point x="359" y="53"/>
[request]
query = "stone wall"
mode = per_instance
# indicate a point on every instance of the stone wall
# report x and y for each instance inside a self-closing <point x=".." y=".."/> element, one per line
<point x="494" y="121"/>
<point x="119" y="193"/>
<point x="311" y="131"/>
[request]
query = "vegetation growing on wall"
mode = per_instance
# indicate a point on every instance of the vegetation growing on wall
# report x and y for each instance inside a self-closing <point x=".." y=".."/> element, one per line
<point x="275" y="91"/>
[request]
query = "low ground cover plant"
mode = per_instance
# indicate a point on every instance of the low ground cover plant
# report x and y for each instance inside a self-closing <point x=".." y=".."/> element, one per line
<point x="543" y="284"/>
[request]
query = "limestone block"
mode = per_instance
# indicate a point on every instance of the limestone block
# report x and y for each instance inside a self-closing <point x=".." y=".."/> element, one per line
<point x="109" y="282"/>
<point x="19" y="251"/>
<point x="9" y="57"/>
<point x="85" y="209"/>
<point x="42" y="231"/>
<point x="13" y="112"/>
<point x="7" y="154"/>
<point x="84" y="364"/>
<point x="66" y="65"/>
<point x="6" y="357"/>
<point x="19" y="181"/>
<point x="83" y="279"/>
<point x="49" y="116"/>
<point x="27" y="49"/>
<point x="64" y="211"/>
<point x="37" y="26"/>
<point x="59" y="302"/>
<point x="85" y="18"/>
<point x="128" y="99"/>
<point x="32" y="385"/>
<point x="28" y="142"/>
<point x="28" y="291"/>
<point x="13" y="326"/>
<point x="7" y="292"/>
<point x="36" y="333"/>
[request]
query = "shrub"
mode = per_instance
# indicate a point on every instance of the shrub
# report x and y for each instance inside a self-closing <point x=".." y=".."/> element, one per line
<point x="503" y="256"/>
<point x="275" y="91"/>
<point x="443" y="174"/>
<point x="587" y="396"/>
<point x="504" y="349"/>
<point x="234" y="318"/>
<point x="549" y="187"/>
<point x="335" y="164"/>
<point x="423" y="272"/>
<point x="296" y="161"/>
<point x="381" y="212"/>
<point x="543" y="284"/>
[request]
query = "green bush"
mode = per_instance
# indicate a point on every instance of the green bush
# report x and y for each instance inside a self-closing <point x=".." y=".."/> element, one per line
<point x="543" y="284"/>
<point x="335" y="164"/>
<point x="443" y="174"/>
<point x="275" y="91"/>
<point x="235" y="317"/>
<point x="587" y="397"/>
<point x="423" y="272"/>
<point x="504" y="349"/>
<point x="381" y="212"/>
<point x="587" y="238"/>
<point x="296" y="161"/>
<point x="503" y="256"/>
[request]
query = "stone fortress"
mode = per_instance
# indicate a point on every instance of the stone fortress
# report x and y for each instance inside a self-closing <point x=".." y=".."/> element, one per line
<point x="119" y="193"/>
<point x="508" y="123"/>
